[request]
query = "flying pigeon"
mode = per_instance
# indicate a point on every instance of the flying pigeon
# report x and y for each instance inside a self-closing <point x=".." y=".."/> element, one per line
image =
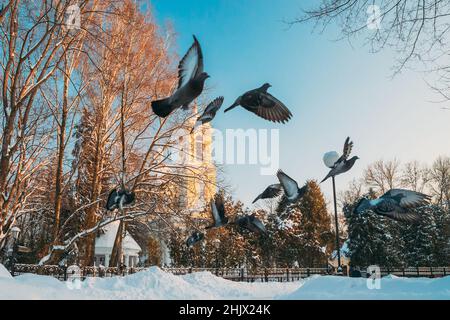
<point x="263" y="104"/>
<point x="218" y="212"/>
<point x="194" y="238"/>
<point x="343" y="164"/>
<point x="210" y="113"/>
<point x="290" y="187"/>
<point x="251" y="223"/>
<point x="117" y="199"/>
<point x="271" y="191"/>
<point x="191" y="80"/>
<point x="396" y="204"/>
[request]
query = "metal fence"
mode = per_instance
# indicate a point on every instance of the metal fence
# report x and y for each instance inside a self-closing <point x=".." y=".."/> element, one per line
<point x="415" y="272"/>
<point x="64" y="272"/>
<point x="234" y="274"/>
<point x="256" y="275"/>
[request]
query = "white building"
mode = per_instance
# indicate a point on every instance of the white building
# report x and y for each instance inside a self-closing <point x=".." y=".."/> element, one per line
<point x="105" y="243"/>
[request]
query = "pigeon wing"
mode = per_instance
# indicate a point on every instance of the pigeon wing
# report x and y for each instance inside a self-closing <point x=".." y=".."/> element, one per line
<point x="214" y="106"/>
<point x="111" y="202"/>
<point x="219" y="204"/>
<point x="259" y="225"/>
<point x="348" y="146"/>
<point x="403" y="216"/>
<point x="211" y="110"/>
<point x="215" y="212"/>
<point x="191" y="65"/>
<point x="289" y="185"/>
<point x="272" y="191"/>
<point x="408" y="199"/>
<point x="272" y="109"/>
<point x="190" y="241"/>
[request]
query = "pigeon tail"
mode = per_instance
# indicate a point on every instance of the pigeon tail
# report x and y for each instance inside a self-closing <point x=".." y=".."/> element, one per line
<point x="162" y="108"/>
<point x="196" y="125"/>
<point x="259" y="197"/>
<point x="325" y="179"/>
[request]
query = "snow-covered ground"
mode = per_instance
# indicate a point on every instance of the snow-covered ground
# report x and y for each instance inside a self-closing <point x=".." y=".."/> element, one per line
<point x="156" y="284"/>
<point x="390" y="288"/>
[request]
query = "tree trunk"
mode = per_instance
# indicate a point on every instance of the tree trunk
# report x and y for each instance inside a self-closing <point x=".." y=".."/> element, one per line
<point x="61" y="150"/>
<point x="116" y="253"/>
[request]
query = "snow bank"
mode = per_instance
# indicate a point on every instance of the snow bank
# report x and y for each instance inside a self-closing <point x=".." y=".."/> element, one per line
<point x="391" y="287"/>
<point x="157" y="284"/>
<point x="4" y="273"/>
<point x="152" y="284"/>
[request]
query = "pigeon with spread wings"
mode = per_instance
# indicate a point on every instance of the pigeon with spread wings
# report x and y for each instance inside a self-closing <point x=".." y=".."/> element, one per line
<point x="263" y="104"/>
<point x="397" y="204"/>
<point x="251" y="223"/>
<point x="343" y="164"/>
<point x="218" y="212"/>
<point x="271" y="192"/>
<point x="209" y="113"/>
<point x="191" y="81"/>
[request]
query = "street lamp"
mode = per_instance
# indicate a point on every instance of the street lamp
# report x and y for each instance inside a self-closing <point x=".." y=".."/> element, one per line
<point x="216" y="243"/>
<point x="15" y="231"/>
<point x="329" y="159"/>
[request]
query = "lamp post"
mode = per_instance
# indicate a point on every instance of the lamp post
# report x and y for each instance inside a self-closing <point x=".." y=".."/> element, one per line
<point x="15" y="231"/>
<point x="330" y="159"/>
<point x="336" y="221"/>
<point x="216" y="243"/>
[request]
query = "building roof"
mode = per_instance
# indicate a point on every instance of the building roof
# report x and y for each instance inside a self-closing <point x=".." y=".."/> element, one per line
<point x="106" y="240"/>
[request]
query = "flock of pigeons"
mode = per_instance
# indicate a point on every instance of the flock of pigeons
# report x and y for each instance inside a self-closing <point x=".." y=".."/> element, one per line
<point x="191" y="81"/>
<point x="397" y="204"/>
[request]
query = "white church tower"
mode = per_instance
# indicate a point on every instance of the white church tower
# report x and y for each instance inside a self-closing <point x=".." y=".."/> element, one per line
<point x="200" y="183"/>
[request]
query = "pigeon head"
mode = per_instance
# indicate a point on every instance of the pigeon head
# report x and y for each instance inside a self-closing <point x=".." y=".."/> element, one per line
<point x="203" y="76"/>
<point x="234" y="105"/>
<point x="266" y="86"/>
<point x="351" y="161"/>
<point x="363" y="205"/>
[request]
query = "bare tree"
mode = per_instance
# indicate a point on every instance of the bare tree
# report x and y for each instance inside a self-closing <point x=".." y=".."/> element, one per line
<point x="119" y="141"/>
<point x="440" y="178"/>
<point x="34" y="41"/>
<point x="415" y="176"/>
<point x="383" y="175"/>
<point x="417" y="30"/>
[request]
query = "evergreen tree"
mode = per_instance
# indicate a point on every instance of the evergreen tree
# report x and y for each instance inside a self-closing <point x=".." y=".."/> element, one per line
<point x="316" y="225"/>
<point x="373" y="240"/>
<point x="426" y="241"/>
<point x="302" y="229"/>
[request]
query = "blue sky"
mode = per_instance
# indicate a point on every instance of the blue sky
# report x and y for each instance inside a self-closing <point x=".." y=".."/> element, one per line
<point x="334" y="89"/>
